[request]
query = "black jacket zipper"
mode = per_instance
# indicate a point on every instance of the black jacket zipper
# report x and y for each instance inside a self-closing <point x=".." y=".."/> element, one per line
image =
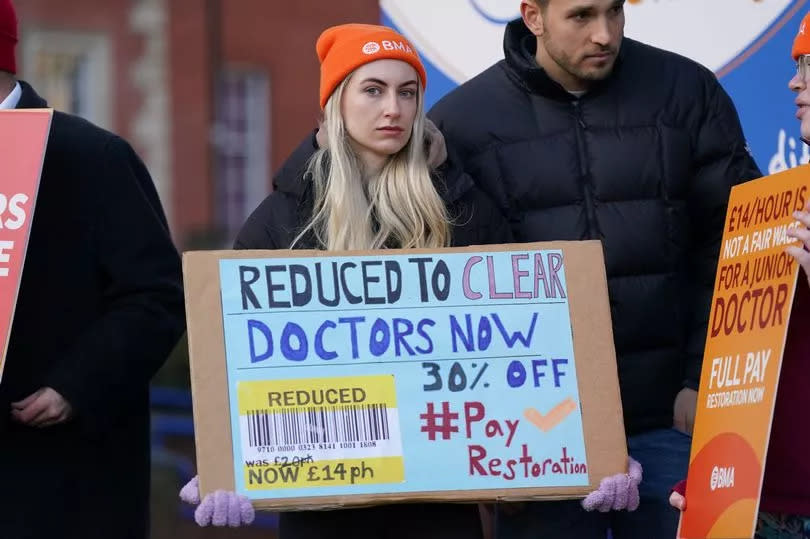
<point x="587" y="187"/>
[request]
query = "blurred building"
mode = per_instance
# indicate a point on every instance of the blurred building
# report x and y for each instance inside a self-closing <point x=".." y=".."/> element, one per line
<point x="213" y="94"/>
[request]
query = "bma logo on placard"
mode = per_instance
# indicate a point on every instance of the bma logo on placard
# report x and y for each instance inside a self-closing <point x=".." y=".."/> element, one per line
<point x="722" y="478"/>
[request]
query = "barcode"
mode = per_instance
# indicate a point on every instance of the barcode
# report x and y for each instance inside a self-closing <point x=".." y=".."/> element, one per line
<point x="360" y="423"/>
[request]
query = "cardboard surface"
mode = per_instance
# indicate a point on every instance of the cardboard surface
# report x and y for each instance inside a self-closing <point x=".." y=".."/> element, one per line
<point x="750" y="313"/>
<point x="594" y="354"/>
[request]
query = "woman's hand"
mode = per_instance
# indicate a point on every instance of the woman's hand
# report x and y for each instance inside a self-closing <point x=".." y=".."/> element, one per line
<point x="617" y="492"/>
<point x="220" y="508"/>
<point x="678" y="497"/>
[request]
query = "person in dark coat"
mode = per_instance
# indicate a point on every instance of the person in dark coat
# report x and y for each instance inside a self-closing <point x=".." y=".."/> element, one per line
<point x="580" y="133"/>
<point x="370" y="177"/>
<point x="784" y="504"/>
<point x="100" y="307"/>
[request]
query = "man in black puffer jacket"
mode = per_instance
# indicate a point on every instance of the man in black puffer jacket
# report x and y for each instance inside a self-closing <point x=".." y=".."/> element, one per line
<point x="580" y="134"/>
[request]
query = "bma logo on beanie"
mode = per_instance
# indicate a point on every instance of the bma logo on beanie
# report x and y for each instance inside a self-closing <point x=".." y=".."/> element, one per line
<point x="397" y="46"/>
<point x="372" y="47"/>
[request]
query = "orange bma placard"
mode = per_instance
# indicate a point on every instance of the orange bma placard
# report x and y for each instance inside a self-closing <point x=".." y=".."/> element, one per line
<point x="748" y="323"/>
<point x="23" y="139"/>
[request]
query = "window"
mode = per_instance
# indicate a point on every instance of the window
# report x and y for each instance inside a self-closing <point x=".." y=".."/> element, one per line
<point x="71" y="70"/>
<point x="242" y="147"/>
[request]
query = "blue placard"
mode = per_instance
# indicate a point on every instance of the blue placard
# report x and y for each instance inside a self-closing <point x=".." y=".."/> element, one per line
<point x="749" y="52"/>
<point x="395" y="373"/>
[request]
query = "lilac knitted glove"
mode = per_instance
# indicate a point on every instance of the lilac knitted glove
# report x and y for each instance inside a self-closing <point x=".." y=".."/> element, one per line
<point x="190" y="493"/>
<point x="617" y="492"/>
<point x="220" y="508"/>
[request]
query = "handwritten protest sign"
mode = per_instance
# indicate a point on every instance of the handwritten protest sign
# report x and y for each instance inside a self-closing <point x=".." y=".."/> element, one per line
<point x="753" y="296"/>
<point x="394" y="375"/>
<point x="23" y="138"/>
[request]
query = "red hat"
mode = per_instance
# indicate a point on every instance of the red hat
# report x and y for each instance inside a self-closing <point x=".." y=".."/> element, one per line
<point x="801" y="45"/>
<point x="8" y="36"/>
<point x="342" y="49"/>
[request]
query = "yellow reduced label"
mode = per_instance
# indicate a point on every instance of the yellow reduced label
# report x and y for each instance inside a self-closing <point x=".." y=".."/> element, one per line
<point x="320" y="432"/>
<point x="273" y="395"/>
<point x="327" y="473"/>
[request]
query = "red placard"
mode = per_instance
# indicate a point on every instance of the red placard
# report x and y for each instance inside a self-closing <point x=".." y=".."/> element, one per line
<point x="23" y="139"/>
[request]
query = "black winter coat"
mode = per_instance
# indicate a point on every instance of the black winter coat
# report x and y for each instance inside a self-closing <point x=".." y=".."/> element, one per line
<point x="99" y="309"/>
<point x="644" y="162"/>
<point x="282" y="215"/>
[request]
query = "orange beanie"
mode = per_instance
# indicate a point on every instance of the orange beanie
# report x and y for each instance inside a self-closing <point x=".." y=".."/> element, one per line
<point x="342" y="49"/>
<point x="801" y="45"/>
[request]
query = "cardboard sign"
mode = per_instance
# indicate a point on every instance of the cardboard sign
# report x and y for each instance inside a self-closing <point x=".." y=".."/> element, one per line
<point x="751" y="306"/>
<point x="23" y="138"/>
<point x="363" y="378"/>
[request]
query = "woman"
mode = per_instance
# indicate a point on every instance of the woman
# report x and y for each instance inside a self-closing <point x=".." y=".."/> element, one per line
<point x="369" y="187"/>
<point x="785" y="503"/>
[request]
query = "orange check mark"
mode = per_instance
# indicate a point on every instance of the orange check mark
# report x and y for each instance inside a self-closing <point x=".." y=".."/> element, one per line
<point x="554" y="416"/>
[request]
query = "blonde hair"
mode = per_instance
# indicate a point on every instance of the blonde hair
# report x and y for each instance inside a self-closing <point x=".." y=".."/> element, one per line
<point x="399" y="207"/>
